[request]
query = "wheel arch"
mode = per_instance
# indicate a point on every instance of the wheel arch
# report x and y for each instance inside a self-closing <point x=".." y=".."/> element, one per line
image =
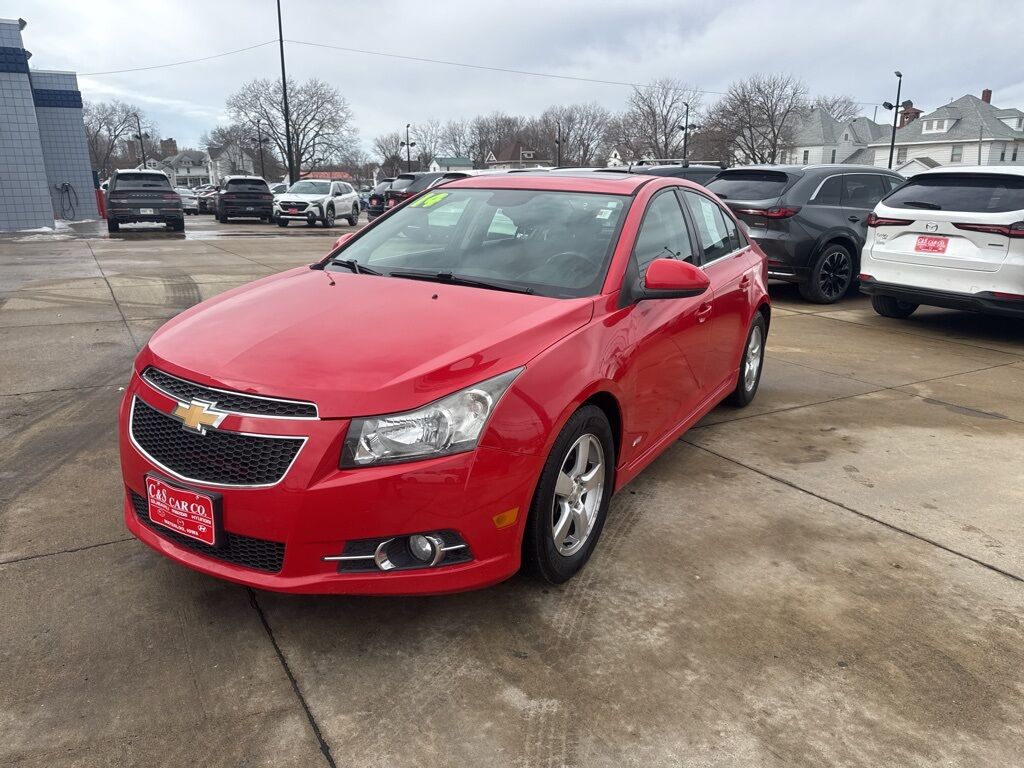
<point x="608" y="403"/>
<point x="839" y="237"/>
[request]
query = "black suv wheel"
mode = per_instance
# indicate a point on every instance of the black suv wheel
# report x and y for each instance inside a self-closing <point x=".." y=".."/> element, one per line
<point x="831" y="276"/>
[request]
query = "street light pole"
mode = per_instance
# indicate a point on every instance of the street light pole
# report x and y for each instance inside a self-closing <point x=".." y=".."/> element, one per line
<point x="284" y="99"/>
<point x="895" y="116"/>
<point x="259" y="147"/>
<point x="408" y="150"/>
<point x="558" y="144"/>
<point x="686" y="131"/>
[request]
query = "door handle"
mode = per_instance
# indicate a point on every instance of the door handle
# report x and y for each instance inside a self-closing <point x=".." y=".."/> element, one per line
<point x="853" y="218"/>
<point x="704" y="311"/>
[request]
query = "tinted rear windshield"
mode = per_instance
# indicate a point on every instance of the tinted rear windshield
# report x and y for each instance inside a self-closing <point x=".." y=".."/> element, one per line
<point x="402" y="182"/>
<point x="142" y="181"/>
<point x="382" y="186"/>
<point x="749" y="185"/>
<point x="423" y="182"/>
<point x="995" y="193"/>
<point x="247" y="185"/>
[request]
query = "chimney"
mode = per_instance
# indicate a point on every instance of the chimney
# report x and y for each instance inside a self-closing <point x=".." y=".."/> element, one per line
<point x="986" y="95"/>
<point x="909" y="114"/>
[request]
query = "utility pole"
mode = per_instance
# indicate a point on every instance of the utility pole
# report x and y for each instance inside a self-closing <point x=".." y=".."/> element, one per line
<point x="284" y="99"/>
<point x="686" y="131"/>
<point x="259" y="147"/>
<point x="140" y="137"/>
<point x="558" y="144"/>
<point x="408" y="149"/>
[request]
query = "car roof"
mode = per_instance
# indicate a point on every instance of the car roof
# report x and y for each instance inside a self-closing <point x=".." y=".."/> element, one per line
<point x="586" y="181"/>
<point x="793" y="168"/>
<point x="244" y="176"/>
<point x="131" y="171"/>
<point x="1008" y="170"/>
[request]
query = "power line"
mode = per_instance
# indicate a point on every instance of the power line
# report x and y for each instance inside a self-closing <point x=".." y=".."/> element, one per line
<point x="179" y="63"/>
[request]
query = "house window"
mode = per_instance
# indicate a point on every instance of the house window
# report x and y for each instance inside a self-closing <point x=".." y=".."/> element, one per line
<point x="846" y="137"/>
<point x="956" y="155"/>
<point x="1014" y="156"/>
<point x="1002" y="153"/>
<point x="807" y="154"/>
<point x="901" y="155"/>
<point x="833" y="156"/>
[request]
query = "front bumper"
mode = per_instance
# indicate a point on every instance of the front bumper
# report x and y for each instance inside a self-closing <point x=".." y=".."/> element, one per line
<point x="985" y="302"/>
<point x="316" y="509"/>
<point x="312" y="212"/>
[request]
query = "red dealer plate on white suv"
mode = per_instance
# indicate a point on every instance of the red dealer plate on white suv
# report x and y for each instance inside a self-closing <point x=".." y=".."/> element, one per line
<point x="929" y="244"/>
<point x="183" y="511"/>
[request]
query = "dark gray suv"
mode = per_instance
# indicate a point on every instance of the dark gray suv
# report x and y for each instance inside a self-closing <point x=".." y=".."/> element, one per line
<point x="810" y="220"/>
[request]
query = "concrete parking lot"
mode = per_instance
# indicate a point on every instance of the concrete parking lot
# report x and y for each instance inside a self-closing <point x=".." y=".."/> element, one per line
<point x="832" y="576"/>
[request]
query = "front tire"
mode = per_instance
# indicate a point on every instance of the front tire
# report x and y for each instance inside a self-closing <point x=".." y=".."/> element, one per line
<point x="831" y="276"/>
<point x="282" y="222"/>
<point x="887" y="306"/>
<point x="329" y="217"/>
<point x="751" y="364"/>
<point x="572" y="497"/>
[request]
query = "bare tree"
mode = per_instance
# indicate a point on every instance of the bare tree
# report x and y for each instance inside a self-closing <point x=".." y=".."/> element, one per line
<point x="427" y="136"/>
<point x="496" y="132"/>
<point x="110" y="130"/>
<point x="241" y="143"/>
<point x="580" y="129"/>
<point x="841" y="108"/>
<point x="455" y="138"/>
<point x="656" y="113"/>
<point x="759" y="114"/>
<point x="321" y="120"/>
<point x="388" y="147"/>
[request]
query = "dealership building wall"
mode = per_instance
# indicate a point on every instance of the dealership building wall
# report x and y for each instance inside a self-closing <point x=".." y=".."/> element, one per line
<point x="44" y="158"/>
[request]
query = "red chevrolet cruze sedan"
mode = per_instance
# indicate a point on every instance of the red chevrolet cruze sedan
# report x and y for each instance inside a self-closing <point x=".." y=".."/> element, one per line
<point x="455" y="390"/>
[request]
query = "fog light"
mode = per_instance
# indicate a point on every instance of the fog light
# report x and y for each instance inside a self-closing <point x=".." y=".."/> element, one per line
<point x="426" y="549"/>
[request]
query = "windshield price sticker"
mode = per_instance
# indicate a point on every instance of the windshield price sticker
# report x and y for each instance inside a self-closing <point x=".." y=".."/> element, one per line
<point x="429" y="200"/>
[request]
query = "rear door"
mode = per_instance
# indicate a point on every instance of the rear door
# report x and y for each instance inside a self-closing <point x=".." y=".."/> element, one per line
<point x="726" y="259"/>
<point x="861" y="193"/>
<point x="950" y="220"/>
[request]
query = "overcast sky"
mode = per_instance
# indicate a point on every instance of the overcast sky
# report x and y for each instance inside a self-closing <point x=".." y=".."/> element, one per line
<point x="944" y="49"/>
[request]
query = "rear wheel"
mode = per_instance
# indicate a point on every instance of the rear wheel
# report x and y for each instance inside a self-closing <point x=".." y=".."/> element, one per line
<point x="831" y="276"/>
<point x="887" y="306"/>
<point x="572" y="497"/>
<point x="353" y="218"/>
<point x="178" y="225"/>
<point x="222" y="218"/>
<point x="112" y="226"/>
<point x="750" y="364"/>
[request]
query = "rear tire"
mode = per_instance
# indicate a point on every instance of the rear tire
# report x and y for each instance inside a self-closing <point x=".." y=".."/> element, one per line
<point x="113" y="226"/>
<point x="353" y="218"/>
<point x="178" y="226"/>
<point x="887" y="306"/>
<point x="564" y="494"/>
<point x="751" y="364"/>
<point x="831" y="276"/>
<point x="222" y="218"/>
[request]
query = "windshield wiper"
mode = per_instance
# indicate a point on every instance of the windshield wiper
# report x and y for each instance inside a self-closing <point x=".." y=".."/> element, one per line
<point x="355" y="266"/>
<point x="921" y="204"/>
<point x="448" y="277"/>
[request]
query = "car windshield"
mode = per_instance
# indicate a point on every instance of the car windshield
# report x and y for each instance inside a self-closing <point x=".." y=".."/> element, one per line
<point x="551" y="243"/>
<point x="310" y="188"/>
<point x="748" y="185"/>
<point x="142" y="181"/>
<point x="969" y="193"/>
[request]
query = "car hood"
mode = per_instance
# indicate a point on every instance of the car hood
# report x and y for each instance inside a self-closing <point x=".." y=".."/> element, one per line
<point x="300" y="198"/>
<point x="365" y="345"/>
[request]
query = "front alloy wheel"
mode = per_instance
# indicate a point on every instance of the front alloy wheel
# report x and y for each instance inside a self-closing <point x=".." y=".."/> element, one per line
<point x="572" y="497"/>
<point x="329" y="216"/>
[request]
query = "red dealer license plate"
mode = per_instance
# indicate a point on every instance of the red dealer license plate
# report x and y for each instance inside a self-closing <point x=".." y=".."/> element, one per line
<point x="293" y="210"/>
<point x="190" y="513"/>
<point x="926" y="244"/>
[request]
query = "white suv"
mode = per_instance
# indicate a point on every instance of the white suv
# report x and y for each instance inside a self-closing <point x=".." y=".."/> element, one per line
<point x="312" y="200"/>
<point x="950" y="237"/>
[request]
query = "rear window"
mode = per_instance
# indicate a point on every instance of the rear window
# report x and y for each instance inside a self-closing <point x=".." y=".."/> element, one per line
<point x="402" y="182"/>
<point x="382" y="186"/>
<point x="423" y="182"/>
<point x="142" y="181"/>
<point x="247" y="185"/>
<point x="960" y="192"/>
<point x="748" y="185"/>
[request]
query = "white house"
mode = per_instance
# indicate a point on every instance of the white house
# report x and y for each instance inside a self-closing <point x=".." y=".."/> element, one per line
<point x="820" y="138"/>
<point x="442" y="164"/>
<point x="228" y="160"/>
<point x="189" y="168"/>
<point x="516" y="156"/>
<point x="967" y="131"/>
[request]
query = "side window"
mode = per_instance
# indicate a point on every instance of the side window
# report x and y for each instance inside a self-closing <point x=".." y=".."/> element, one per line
<point x="891" y="183"/>
<point x="862" y="190"/>
<point x="715" y="237"/>
<point x="829" y="193"/>
<point x="663" y="233"/>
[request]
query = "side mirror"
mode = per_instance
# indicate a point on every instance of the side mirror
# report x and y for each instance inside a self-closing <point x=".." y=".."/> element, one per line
<point x="342" y="240"/>
<point x="673" y="279"/>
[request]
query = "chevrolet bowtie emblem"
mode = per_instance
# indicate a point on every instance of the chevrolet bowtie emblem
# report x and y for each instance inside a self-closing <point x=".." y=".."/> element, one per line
<point x="197" y="415"/>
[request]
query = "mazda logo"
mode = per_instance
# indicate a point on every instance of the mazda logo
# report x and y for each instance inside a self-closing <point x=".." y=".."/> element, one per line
<point x="931" y="227"/>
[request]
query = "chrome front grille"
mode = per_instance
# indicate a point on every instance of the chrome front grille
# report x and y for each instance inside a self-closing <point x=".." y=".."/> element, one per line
<point x="231" y="402"/>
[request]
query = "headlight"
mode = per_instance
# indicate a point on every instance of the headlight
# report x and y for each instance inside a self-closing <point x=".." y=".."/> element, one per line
<point x="450" y="425"/>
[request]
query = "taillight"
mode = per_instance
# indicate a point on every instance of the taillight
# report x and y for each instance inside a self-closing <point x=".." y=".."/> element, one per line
<point x="770" y="213"/>
<point x="228" y="196"/>
<point x="1011" y="230"/>
<point x="1008" y="296"/>
<point x="879" y="221"/>
<point x="171" y="196"/>
<point x="266" y="197"/>
<point x="862" y="277"/>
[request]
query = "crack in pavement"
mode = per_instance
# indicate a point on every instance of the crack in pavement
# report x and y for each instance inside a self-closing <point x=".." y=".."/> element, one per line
<point x="69" y="551"/>
<point x="325" y="748"/>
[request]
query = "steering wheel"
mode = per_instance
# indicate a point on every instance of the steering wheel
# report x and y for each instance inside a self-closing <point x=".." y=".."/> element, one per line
<point x="577" y="255"/>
